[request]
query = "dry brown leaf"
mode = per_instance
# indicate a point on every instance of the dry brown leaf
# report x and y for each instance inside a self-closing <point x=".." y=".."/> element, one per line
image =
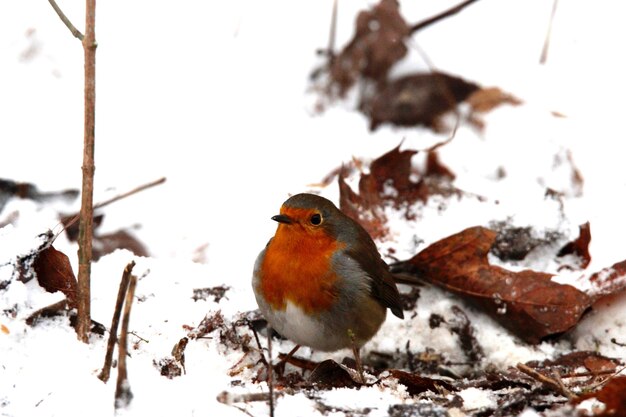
<point x="612" y="395"/>
<point x="580" y="246"/>
<point x="54" y="273"/>
<point x="417" y="384"/>
<point x="608" y="282"/>
<point x="488" y="98"/>
<point x="419" y="99"/>
<point x="121" y="239"/>
<point x="389" y="183"/>
<point x="378" y="43"/>
<point x="528" y="303"/>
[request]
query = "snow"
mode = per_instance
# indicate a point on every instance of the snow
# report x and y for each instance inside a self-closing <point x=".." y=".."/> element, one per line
<point x="216" y="98"/>
<point x="474" y="398"/>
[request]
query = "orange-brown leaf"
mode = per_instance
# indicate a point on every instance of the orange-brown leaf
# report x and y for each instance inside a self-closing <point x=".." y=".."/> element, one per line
<point x="609" y="281"/>
<point x="580" y="246"/>
<point x="528" y="303"/>
<point x="487" y="99"/>
<point x="612" y="395"/>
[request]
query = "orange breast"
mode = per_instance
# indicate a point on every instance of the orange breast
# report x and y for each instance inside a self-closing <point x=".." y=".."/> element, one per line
<point x="296" y="268"/>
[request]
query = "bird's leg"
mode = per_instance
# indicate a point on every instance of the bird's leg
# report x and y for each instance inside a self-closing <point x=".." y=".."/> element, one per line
<point x="357" y="357"/>
<point x="280" y="366"/>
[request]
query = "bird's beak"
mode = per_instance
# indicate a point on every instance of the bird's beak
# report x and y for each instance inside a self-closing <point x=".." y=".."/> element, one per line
<point x="282" y="218"/>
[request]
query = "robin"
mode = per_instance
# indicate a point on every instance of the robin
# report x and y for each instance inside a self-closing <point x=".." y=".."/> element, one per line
<point x="320" y="280"/>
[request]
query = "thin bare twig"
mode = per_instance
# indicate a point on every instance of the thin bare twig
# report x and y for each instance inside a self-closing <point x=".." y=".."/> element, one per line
<point x="546" y="44"/>
<point x="604" y="382"/>
<point x="108" y="358"/>
<point x="440" y="16"/>
<point x="270" y="369"/>
<point x="85" y="228"/>
<point x="66" y="21"/>
<point x="129" y="193"/>
<point x="332" y="35"/>
<point x="116" y="198"/>
<point x="445" y="90"/>
<point x="123" y="394"/>
<point x="555" y="385"/>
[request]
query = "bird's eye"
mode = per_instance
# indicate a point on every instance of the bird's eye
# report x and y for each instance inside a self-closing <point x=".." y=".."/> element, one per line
<point x="316" y="219"/>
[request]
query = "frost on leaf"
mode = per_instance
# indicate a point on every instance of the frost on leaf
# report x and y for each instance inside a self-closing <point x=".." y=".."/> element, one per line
<point x="528" y="303"/>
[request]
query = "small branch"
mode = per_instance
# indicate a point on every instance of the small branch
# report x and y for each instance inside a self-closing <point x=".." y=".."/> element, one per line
<point x="139" y="337"/>
<point x="270" y="369"/>
<point x="85" y="226"/>
<point x="129" y="193"/>
<point x="546" y="44"/>
<point x="604" y="382"/>
<point x="333" y="34"/>
<point x="555" y="385"/>
<point x="445" y="90"/>
<point x="441" y="16"/>
<point x="118" y="197"/>
<point x="123" y="394"/>
<point x="108" y="358"/>
<point x="66" y="21"/>
<point x="587" y="374"/>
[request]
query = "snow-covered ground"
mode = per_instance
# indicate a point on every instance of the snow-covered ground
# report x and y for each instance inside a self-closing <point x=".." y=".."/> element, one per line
<point x="215" y="97"/>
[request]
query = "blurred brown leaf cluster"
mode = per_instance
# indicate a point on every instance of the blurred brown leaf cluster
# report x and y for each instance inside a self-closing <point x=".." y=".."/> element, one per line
<point x="382" y="38"/>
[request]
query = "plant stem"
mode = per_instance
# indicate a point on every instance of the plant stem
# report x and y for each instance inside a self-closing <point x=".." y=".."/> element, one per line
<point x="86" y="211"/>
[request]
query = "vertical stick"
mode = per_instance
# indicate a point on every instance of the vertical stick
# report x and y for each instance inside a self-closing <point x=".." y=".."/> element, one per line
<point x="546" y="44"/>
<point x="108" y="358"/>
<point x="86" y="211"/>
<point x="123" y="394"/>
<point x="270" y="369"/>
<point x="333" y="34"/>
